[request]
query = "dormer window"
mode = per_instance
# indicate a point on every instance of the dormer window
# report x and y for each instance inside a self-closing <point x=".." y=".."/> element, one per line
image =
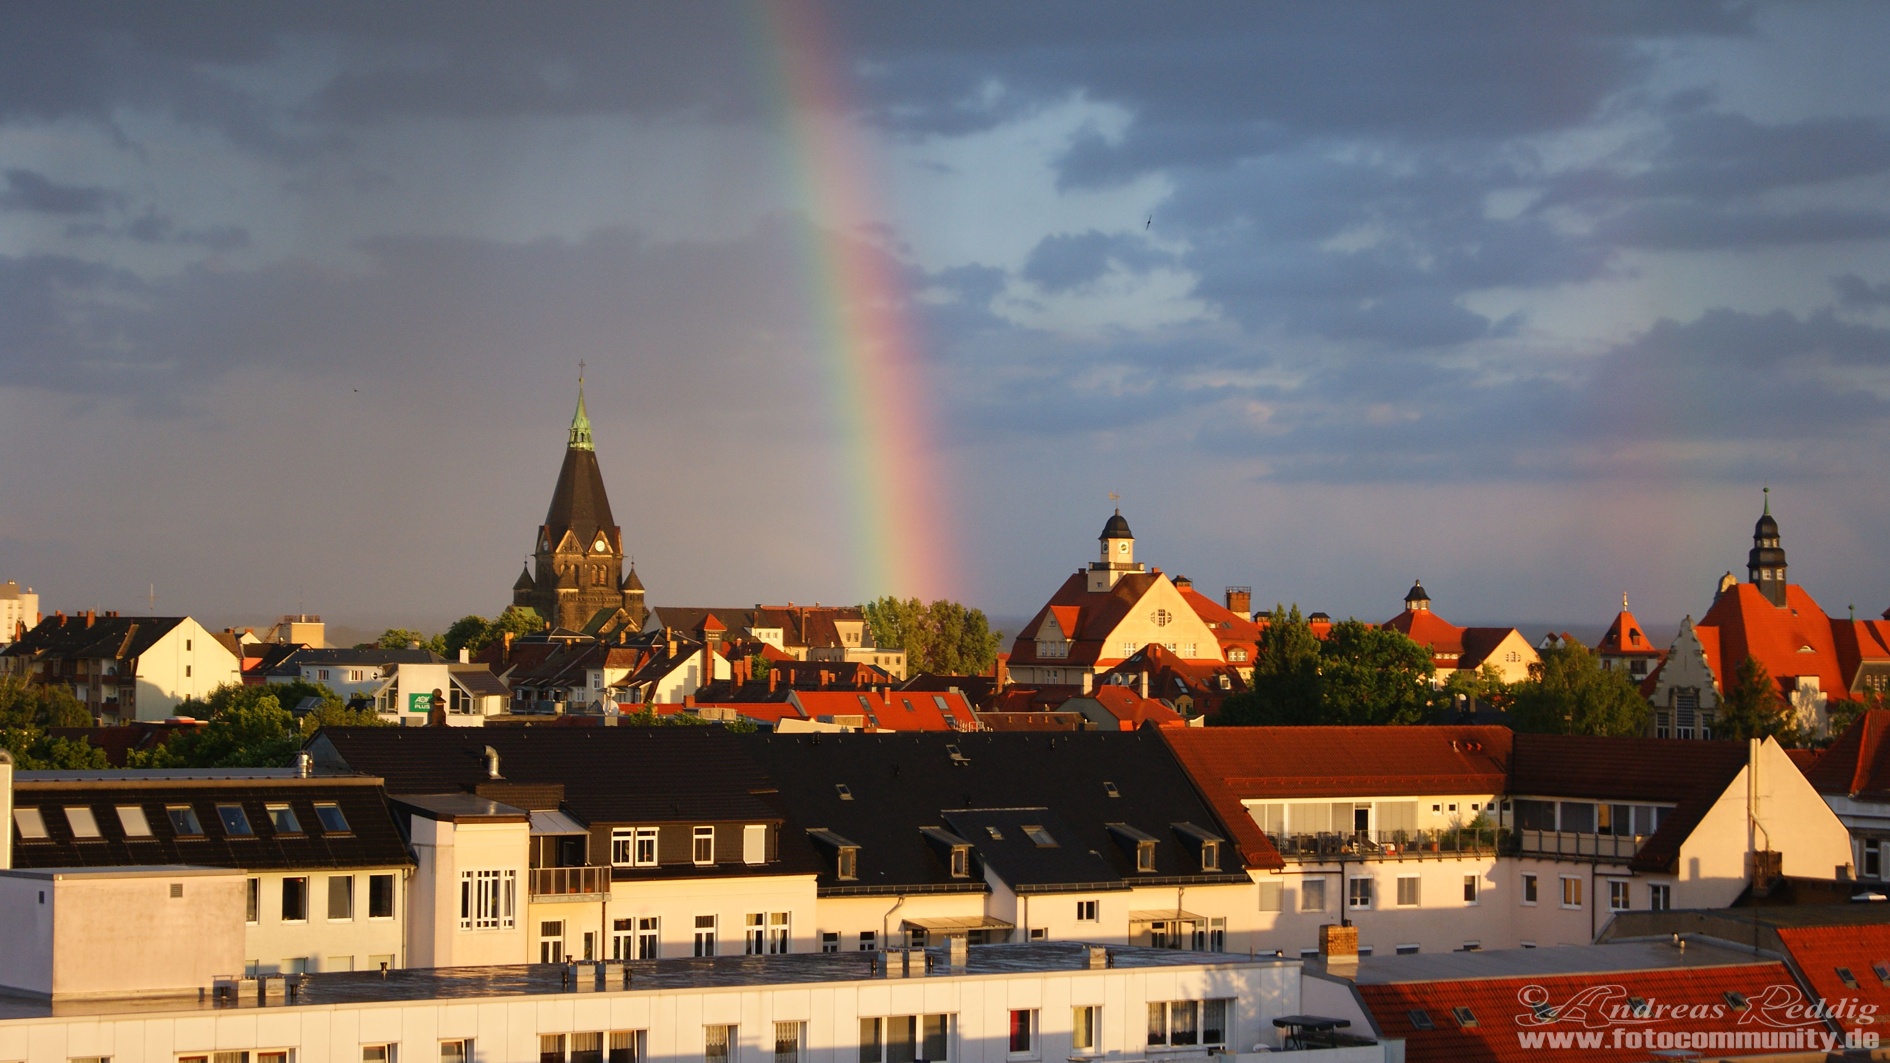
<point x="961" y="861"/>
<point x="953" y="850"/>
<point x="846" y="854"/>
<point x="1140" y="842"/>
<point x="1145" y="856"/>
<point x="1211" y="856"/>
<point x="1206" y="844"/>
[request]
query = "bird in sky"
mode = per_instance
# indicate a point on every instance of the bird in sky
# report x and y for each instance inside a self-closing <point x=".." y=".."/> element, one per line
<point x="1149" y="222"/>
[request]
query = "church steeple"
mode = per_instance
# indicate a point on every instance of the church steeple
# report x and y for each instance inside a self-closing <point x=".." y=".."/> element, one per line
<point x="580" y="421"/>
<point x="1765" y="564"/>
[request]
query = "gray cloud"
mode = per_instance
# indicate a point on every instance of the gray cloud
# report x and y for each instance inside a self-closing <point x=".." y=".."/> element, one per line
<point x="1067" y="261"/>
<point x="1670" y="226"/>
<point x="30" y="191"/>
<point x="1855" y="293"/>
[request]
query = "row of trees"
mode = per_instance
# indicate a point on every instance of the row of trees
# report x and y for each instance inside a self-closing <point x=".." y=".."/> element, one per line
<point x="944" y="638"/>
<point x="470" y="632"/>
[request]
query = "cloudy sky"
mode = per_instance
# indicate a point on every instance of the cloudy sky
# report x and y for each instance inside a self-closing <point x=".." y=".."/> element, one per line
<point x="1526" y="300"/>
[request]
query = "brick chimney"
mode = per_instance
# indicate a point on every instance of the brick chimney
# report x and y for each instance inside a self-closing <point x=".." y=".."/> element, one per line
<point x="1338" y="946"/>
<point x="1240" y="600"/>
<point x="90" y="616"/>
<point x="1183" y="583"/>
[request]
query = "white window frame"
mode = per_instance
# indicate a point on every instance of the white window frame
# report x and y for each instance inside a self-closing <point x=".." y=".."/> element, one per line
<point x="1086" y="1030"/>
<point x="706" y="933"/>
<point x="1531" y="891"/>
<point x="1353" y="892"/>
<point x="1620" y="895"/>
<point x="696" y="853"/>
<point x="488" y="899"/>
<point x="1088" y="911"/>
<point x="1032" y="1047"/>
<point x="1417" y="891"/>
<point x="1571" y="885"/>
<point x="1472" y="890"/>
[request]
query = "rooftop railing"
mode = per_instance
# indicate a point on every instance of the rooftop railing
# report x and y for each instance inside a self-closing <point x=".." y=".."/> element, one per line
<point x="1390" y="845"/>
<point x="569" y="883"/>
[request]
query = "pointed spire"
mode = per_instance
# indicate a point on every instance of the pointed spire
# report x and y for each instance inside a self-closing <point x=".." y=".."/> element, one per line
<point x="1768" y="487"/>
<point x="580" y="421"/>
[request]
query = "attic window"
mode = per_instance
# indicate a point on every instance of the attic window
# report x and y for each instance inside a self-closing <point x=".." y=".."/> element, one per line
<point x="184" y="822"/>
<point x="235" y="821"/>
<point x="1420" y="1019"/>
<point x="333" y="822"/>
<point x="83" y="823"/>
<point x="1210" y="856"/>
<point x="996" y="835"/>
<point x="1464" y="1016"/>
<point x="131" y="818"/>
<point x="1544" y="1012"/>
<point x="845" y="792"/>
<point x="1145" y="856"/>
<point x="1039" y="836"/>
<point x="1735" y="1001"/>
<point x="961" y="861"/>
<point x="1882" y="971"/>
<point x="1844" y="975"/>
<point x="1637" y="1007"/>
<point x="847" y="863"/>
<point x="282" y="818"/>
<point x="1109" y="789"/>
<point x="32" y="825"/>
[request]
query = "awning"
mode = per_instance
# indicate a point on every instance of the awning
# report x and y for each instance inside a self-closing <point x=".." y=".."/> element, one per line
<point x="947" y="924"/>
<point x="550" y="823"/>
<point x="1164" y="915"/>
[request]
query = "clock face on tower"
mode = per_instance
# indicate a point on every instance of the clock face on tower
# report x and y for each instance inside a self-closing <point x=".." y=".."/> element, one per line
<point x="1122" y="548"/>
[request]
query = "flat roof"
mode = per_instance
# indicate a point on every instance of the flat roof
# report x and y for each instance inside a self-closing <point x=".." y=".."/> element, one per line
<point x="121" y="871"/>
<point x="1555" y="960"/>
<point x="455" y="807"/>
<point x="547" y="979"/>
<point x="123" y="776"/>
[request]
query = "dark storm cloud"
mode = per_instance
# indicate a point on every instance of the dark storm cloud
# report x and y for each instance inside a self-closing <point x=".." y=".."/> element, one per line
<point x="1693" y="227"/>
<point x="1855" y="293"/>
<point x="154" y="228"/>
<point x="1066" y="261"/>
<point x="30" y="191"/>
<point x="422" y="305"/>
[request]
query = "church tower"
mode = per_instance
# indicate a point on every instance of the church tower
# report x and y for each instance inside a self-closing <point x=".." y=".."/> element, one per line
<point x="578" y="560"/>
<point x="1765" y="564"/>
<point x="1118" y="555"/>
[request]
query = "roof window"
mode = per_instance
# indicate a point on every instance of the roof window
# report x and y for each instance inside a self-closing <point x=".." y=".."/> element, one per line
<point x="83" y="823"/>
<point x="132" y="819"/>
<point x="1420" y="1019"/>
<point x="1040" y="837"/>
<point x="1109" y="789"/>
<point x="31" y="824"/>
<point x="1844" y="975"/>
<point x="1735" y="1001"/>
<point x="1882" y="971"/>
<point x="333" y="822"/>
<point x="1464" y="1016"/>
<point x="845" y="791"/>
<point x="235" y="821"/>
<point x="184" y="821"/>
<point x="282" y="818"/>
<point x="996" y="834"/>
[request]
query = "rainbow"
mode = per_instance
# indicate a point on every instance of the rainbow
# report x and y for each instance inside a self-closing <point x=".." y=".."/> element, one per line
<point x="869" y="350"/>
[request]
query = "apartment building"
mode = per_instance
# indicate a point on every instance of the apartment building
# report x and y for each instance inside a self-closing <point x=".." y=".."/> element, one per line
<point x="125" y="668"/>
<point x="1432" y="839"/>
<point x="319" y="864"/>
<point x="547" y="844"/>
<point x="1091" y="836"/>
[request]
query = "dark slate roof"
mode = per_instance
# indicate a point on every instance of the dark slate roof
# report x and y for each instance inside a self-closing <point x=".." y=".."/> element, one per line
<point x="477" y="679"/>
<point x="340" y="657"/>
<point x="611" y="775"/>
<point x="905" y="781"/>
<point x="578" y="504"/>
<point x="372" y="840"/>
<point x="1002" y="843"/>
<point x="1116" y="528"/>
<point x="120" y="637"/>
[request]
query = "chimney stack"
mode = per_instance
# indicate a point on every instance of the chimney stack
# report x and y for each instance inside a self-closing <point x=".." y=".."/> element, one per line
<point x="89" y="617"/>
<point x="1089" y="683"/>
<point x="1240" y="600"/>
<point x="1338" y="946"/>
<point x="1142" y="682"/>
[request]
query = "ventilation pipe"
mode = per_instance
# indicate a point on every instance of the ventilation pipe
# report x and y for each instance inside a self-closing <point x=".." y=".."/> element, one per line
<point x="492" y="764"/>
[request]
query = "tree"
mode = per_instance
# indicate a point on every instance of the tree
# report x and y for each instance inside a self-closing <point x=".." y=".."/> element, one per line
<point x="945" y="637"/>
<point x="1752" y="707"/>
<point x="1372" y="675"/>
<point x="27" y="711"/>
<point x="475" y="633"/>
<point x="1285" y="676"/>
<point x="1484" y="685"/>
<point x="251" y="727"/>
<point x="1568" y="692"/>
<point x="400" y="638"/>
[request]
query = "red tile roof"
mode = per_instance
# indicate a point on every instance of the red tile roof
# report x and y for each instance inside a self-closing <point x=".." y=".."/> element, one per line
<point x="1796" y="640"/>
<point x="1626" y="638"/>
<point x="1132" y="710"/>
<point x="1253" y="762"/>
<point x="1858" y="763"/>
<point x="1503" y="1012"/>
<point x="1443" y="638"/>
<point x="1862" y="951"/>
<point x="1096" y="614"/>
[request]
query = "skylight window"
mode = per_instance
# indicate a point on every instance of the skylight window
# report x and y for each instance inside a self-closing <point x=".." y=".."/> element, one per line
<point x="996" y="834"/>
<point x="32" y="825"/>
<point x="131" y="818"/>
<point x="1882" y="971"/>
<point x="282" y="817"/>
<point x="235" y="821"/>
<point x="1109" y="788"/>
<point x="1844" y="975"/>
<point x="83" y="823"/>
<point x="1420" y="1019"/>
<point x="845" y="791"/>
<point x="1735" y="1001"/>
<point x="184" y="822"/>
<point x="1464" y="1016"/>
<point x="1039" y="836"/>
<point x="333" y="822"/>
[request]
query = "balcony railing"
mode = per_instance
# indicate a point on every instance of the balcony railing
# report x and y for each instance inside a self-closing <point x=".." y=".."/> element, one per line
<point x="1390" y="845"/>
<point x="570" y="883"/>
<point x="1570" y="843"/>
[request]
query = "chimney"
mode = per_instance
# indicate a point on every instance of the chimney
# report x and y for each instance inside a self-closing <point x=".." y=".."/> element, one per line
<point x="304" y="764"/>
<point x="6" y="807"/>
<point x="492" y="764"/>
<point x="505" y="648"/>
<point x="774" y="678"/>
<point x="1183" y="583"/>
<point x="465" y="655"/>
<point x="1338" y="946"/>
<point x="1089" y="683"/>
<point x="1142" y="683"/>
<point x="1240" y="600"/>
<point x="89" y="617"/>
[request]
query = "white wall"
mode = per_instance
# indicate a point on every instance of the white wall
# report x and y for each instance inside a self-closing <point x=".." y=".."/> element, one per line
<point x="188" y="662"/>
<point x="356" y="943"/>
<point x="115" y="932"/>
<point x="508" y="1028"/>
<point x="442" y="850"/>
